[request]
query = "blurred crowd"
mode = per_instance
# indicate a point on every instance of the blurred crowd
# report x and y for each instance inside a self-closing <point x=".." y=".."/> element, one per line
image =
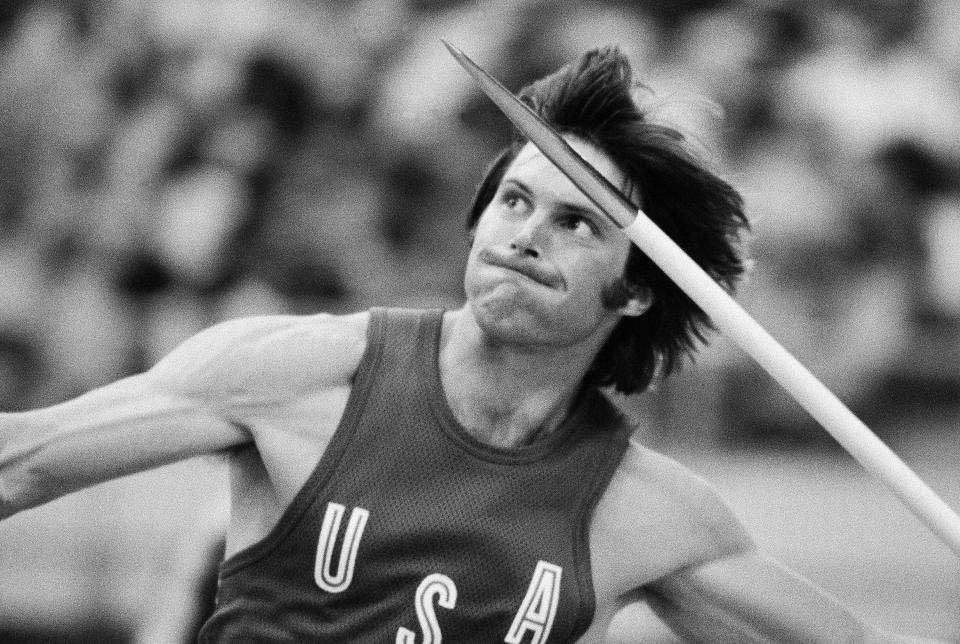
<point x="168" y="164"/>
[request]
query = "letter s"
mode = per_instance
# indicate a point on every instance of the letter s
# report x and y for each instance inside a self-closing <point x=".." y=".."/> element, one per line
<point x="433" y="586"/>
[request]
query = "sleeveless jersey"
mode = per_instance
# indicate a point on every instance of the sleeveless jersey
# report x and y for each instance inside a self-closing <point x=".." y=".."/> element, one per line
<point x="410" y="530"/>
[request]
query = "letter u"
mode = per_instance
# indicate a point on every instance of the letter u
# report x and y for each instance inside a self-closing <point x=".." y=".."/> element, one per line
<point x="339" y="580"/>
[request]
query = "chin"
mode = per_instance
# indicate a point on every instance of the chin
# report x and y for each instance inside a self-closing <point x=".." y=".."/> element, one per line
<point x="513" y="322"/>
<point x="507" y="320"/>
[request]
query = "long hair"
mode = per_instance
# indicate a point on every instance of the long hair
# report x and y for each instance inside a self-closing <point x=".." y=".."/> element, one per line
<point x="592" y="98"/>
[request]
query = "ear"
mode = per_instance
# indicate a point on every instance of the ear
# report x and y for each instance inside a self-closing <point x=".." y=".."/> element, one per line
<point x="639" y="300"/>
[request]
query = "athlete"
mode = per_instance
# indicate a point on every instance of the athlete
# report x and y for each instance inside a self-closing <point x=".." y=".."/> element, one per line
<point x="460" y="476"/>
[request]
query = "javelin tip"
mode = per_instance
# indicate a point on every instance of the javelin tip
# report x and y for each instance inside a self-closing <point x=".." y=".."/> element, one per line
<point x="471" y="67"/>
<point x="454" y="51"/>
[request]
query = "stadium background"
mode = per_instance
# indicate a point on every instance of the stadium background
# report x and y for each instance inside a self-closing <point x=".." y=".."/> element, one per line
<point x="165" y="165"/>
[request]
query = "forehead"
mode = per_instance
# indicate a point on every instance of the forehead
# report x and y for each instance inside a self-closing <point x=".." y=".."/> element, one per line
<point x="535" y="170"/>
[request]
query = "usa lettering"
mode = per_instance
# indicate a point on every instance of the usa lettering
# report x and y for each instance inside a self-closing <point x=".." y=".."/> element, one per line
<point x="535" y="617"/>
<point x="434" y="588"/>
<point x="539" y="606"/>
<point x="337" y="581"/>
<point x="533" y="620"/>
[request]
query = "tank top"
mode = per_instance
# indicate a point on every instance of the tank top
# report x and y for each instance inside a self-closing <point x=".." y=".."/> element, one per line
<point x="410" y="530"/>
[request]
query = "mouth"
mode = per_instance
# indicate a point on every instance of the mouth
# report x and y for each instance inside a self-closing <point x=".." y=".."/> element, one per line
<point x="522" y="266"/>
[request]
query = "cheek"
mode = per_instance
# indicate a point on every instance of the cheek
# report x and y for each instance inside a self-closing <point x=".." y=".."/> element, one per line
<point x="488" y="226"/>
<point x="470" y="271"/>
<point x="600" y="275"/>
<point x="596" y="290"/>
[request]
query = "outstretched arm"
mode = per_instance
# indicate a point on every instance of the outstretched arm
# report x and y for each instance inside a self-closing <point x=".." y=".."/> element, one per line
<point x="749" y="597"/>
<point x="716" y="586"/>
<point x="196" y="400"/>
<point x="130" y="425"/>
<point x="119" y="429"/>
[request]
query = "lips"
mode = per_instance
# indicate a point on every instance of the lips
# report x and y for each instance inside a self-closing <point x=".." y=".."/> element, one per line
<point x="525" y="267"/>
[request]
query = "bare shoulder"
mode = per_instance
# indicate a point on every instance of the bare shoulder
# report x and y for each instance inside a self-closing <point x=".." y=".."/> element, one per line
<point x="262" y="357"/>
<point x="667" y="509"/>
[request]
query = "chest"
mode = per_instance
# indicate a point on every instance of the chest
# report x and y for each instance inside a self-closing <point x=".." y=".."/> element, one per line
<point x="396" y="504"/>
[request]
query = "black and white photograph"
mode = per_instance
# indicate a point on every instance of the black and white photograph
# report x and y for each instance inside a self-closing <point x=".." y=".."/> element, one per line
<point x="479" y="321"/>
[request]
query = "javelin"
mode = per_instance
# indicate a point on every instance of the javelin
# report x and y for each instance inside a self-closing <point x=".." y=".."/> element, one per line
<point x="728" y="316"/>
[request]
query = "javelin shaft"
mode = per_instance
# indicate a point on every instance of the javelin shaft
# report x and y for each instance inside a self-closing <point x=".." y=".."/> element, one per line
<point x="731" y="319"/>
<point x="872" y="453"/>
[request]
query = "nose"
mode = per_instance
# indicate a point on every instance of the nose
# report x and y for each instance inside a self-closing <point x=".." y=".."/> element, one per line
<point x="528" y="239"/>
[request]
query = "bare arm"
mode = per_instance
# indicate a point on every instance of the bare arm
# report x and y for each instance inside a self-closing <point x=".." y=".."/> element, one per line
<point x="718" y="586"/>
<point x="194" y="401"/>
<point x="119" y="429"/>
<point x="748" y="597"/>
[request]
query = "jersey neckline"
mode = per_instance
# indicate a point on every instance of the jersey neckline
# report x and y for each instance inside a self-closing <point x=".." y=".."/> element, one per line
<point x="554" y="442"/>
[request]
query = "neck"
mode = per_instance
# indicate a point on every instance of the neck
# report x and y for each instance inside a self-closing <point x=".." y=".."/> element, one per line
<point x="507" y="395"/>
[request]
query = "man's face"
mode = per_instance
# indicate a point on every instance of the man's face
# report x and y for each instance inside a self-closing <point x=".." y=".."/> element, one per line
<point x="543" y="254"/>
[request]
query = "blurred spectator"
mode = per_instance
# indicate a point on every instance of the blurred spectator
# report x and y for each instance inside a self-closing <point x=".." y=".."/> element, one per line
<point x="166" y="165"/>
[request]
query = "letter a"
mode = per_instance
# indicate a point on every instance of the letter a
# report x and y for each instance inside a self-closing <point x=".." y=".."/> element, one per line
<point x="539" y="606"/>
<point x="339" y="581"/>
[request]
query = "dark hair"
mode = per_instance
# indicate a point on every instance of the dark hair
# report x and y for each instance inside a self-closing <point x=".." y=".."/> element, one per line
<point x="592" y="99"/>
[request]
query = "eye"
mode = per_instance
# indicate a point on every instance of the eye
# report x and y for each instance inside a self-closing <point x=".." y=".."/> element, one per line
<point x="578" y="225"/>
<point x="513" y="200"/>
